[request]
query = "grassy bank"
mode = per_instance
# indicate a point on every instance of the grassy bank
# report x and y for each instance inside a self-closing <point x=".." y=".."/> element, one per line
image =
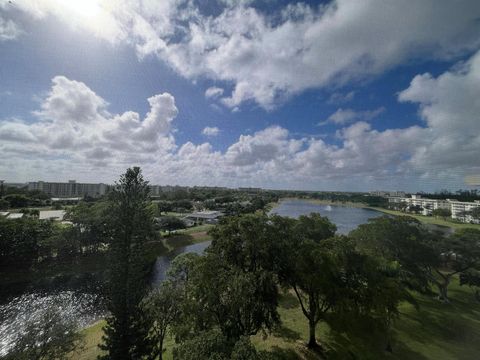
<point x="435" y="331"/>
<point x="429" y="219"/>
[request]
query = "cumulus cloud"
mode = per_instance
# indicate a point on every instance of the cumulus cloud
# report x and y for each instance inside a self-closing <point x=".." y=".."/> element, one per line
<point x="76" y="134"/>
<point x="450" y="108"/>
<point x="73" y="122"/>
<point x="268" y="57"/>
<point x="266" y="145"/>
<point x="345" y="116"/>
<point x="211" y="131"/>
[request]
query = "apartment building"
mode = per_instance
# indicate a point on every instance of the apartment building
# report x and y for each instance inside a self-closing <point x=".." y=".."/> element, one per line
<point x="458" y="209"/>
<point x="68" y="189"/>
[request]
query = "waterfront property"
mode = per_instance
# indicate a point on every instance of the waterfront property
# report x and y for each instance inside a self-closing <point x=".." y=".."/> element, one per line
<point x="459" y="209"/>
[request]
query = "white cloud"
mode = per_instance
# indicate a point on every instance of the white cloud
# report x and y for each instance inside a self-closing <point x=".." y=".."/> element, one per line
<point x="213" y="92"/>
<point x="76" y="135"/>
<point x="340" y="98"/>
<point x="9" y="30"/>
<point x="211" y="131"/>
<point x="450" y="107"/>
<point x="269" y="57"/>
<point x="74" y="123"/>
<point x="269" y="144"/>
<point x="345" y="116"/>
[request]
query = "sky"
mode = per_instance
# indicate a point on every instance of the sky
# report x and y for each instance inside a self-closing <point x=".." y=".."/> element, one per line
<point x="336" y="95"/>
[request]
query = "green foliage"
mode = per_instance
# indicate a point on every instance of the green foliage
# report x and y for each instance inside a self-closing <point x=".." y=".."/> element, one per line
<point x="130" y="226"/>
<point x="164" y="206"/>
<point x="445" y="213"/>
<point x="162" y="307"/>
<point x="20" y="241"/>
<point x="399" y="239"/>
<point x="213" y="345"/>
<point x="17" y="200"/>
<point x="90" y="225"/>
<point x="170" y="223"/>
<point x="475" y="213"/>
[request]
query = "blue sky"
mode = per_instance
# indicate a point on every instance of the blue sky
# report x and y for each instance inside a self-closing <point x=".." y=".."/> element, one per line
<point x="277" y="94"/>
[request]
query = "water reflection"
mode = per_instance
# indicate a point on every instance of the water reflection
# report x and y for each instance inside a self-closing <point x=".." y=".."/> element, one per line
<point x="163" y="262"/>
<point x="83" y="308"/>
<point x="78" y="298"/>
<point x="346" y="218"/>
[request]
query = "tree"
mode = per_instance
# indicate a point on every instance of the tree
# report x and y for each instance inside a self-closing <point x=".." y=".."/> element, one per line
<point x="90" y="221"/>
<point x="456" y="254"/>
<point x="444" y="213"/>
<point x="416" y="209"/>
<point x="213" y="345"/>
<point x="52" y="336"/>
<point x="425" y="257"/>
<point x="231" y="287"/>
<point x="170" y="223"/>
<point x="17" y="200"/>
<point x="130" y="226"/>
<point x="400" y="239"/>
<point x="162" y="306"/>
<point x="20" y="241"/>
<point x="471" y="278"/>
<point x="164" y="206"/>
<point x="475" y="213"/>
<point x="308" y="267"/>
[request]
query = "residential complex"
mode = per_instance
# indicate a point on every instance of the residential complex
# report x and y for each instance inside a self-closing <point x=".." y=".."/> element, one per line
<point x="458" y="209"/>
<point x="68" y="189"/>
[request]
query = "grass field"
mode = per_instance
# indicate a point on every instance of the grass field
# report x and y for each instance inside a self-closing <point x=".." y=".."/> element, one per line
<point x="435" y="331"/>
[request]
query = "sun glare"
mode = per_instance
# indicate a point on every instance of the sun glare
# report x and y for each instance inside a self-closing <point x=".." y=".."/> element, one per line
<point x="84" y="8"/>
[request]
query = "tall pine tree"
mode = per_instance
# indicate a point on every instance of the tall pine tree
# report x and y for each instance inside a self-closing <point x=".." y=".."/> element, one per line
<point x="130" y="226"/>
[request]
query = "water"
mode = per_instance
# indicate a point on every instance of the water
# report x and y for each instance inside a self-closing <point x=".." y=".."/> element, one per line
<point x="76" y="301"/>
<point x="83" y="308"/>
<point x="346" y="218"/>
<point x="163" y="262"/>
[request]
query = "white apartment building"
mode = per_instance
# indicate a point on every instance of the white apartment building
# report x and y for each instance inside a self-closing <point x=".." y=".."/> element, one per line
<point x="69" y="189"/>
<point x="457" y="208"/>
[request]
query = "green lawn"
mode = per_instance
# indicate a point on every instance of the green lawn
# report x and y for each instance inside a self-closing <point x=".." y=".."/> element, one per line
<point x="435" y="331"/>
<point x="429" y="219"/>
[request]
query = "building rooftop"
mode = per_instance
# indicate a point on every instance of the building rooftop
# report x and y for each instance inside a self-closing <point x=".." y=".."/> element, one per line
<point x="205" y="215"/>
<point x="52" y="214"/>
<point x="15" y="216"/>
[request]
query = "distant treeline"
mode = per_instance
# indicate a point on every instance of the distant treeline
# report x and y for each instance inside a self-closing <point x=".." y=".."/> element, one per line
<point x="460" y="195"/>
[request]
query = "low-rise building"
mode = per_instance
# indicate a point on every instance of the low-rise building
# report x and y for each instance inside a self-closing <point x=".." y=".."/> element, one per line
<point x="52" y="215"/>
<point x="209" y="217"/>
<point x="13" y="216"/>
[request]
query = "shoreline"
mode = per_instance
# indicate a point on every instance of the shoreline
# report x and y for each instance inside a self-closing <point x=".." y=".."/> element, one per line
<point x="324" y="202"/>
<point x="429" y="220"/>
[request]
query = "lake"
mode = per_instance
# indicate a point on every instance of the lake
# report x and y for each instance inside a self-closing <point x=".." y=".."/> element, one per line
<point x="346" y="218"/>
